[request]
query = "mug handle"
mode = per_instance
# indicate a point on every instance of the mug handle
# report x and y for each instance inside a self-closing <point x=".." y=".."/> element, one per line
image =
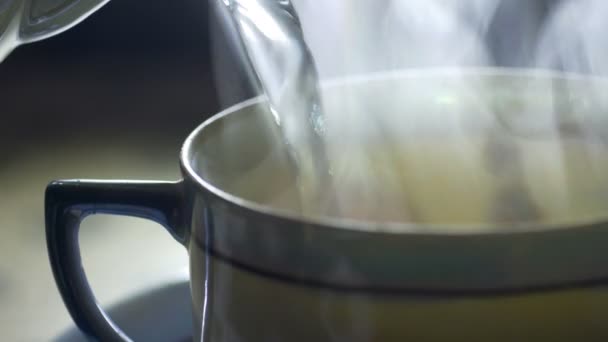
<point x="67" y="203"/>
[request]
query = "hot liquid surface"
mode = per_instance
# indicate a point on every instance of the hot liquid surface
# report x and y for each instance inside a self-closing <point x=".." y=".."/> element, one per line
<point x="447" y="181"/>
<point x="422" y="150"/>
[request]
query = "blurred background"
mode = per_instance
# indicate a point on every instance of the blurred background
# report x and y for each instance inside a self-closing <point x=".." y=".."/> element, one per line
<point x="113" y="97"/>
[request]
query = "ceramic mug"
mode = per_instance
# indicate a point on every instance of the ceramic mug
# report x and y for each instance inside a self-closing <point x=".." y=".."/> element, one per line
<point x="480" y="261"/>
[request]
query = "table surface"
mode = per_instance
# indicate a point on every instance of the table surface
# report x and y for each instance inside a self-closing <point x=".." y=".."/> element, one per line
<point x="31" y="308"/>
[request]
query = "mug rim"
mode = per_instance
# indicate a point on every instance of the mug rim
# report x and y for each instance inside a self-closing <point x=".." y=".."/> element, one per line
<point x="473" y="229"/>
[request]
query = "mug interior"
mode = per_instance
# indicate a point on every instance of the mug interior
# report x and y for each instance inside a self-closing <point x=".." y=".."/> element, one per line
<point x="481" y="150"/>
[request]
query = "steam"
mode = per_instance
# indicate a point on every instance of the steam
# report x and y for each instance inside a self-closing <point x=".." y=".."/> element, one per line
<point x="392" y="35"/>
<point x="481" y="144"/>
<point x="574" y="38"/>
<point x="359" y="36"/>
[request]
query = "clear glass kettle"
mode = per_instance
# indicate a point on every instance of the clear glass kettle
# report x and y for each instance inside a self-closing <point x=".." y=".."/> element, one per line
<point x="26" y="21"/>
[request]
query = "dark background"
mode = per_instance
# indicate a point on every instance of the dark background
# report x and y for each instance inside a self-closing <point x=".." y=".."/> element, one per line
<point x="143" y="70"/>
<point x="134" y="71"/>
<point x="112" y="98"/>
